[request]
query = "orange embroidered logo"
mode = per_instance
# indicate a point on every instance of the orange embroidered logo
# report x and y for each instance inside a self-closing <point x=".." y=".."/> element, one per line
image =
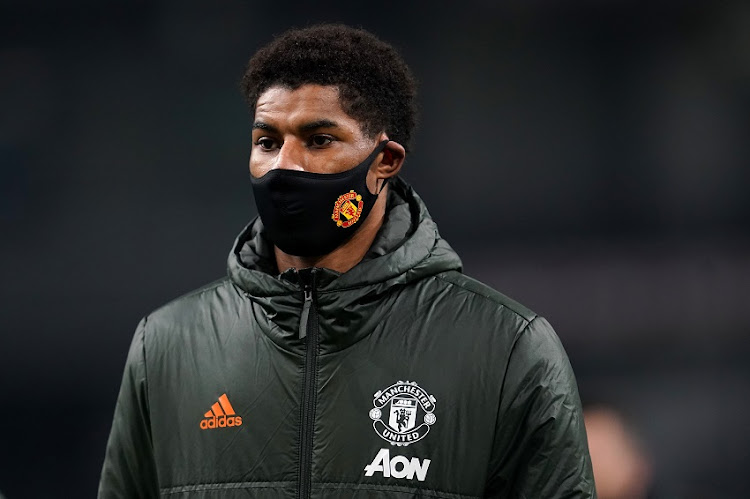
<point x="220" y="415"/>
<point x="345" y="211"/>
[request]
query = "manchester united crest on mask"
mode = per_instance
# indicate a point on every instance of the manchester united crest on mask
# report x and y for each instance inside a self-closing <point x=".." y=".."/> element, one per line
<point x="347" y="209"/>
<point x="403" y="413"/>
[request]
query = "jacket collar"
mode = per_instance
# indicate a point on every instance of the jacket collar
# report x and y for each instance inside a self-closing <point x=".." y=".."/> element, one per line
<point x="407" y="248"/>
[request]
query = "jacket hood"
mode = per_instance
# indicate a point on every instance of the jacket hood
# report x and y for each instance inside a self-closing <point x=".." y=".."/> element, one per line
<point x="407" y="248"/>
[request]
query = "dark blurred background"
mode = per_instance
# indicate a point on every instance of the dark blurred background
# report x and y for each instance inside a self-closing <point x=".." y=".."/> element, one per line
<point x="590" y="159"/>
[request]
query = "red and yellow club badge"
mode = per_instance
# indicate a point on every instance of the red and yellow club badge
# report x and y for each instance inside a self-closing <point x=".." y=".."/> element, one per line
<point x="347" y="209"/>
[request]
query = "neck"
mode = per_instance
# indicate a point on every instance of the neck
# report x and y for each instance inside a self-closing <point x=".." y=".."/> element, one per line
<point x="349" y="254"/>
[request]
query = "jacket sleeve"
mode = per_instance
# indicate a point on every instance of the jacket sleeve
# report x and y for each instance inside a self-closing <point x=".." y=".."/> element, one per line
<point x="540" y="447"/>
<point x="129" y="469"/>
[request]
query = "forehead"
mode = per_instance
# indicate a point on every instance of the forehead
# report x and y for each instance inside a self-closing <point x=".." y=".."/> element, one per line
<point x="307" y="102"/>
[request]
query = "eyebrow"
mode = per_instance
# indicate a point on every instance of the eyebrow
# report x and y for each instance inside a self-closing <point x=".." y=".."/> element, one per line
<point x="318" y="124"/>
<point x="305" y="127"/>
<point x="264" y="126"/>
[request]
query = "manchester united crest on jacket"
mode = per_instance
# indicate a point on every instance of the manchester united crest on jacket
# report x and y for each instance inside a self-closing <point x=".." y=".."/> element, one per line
<point x="403" y="413"/>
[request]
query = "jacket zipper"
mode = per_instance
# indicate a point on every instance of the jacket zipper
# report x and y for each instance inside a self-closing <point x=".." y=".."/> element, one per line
<point x="308" y="331"/>
<point x="305" y="313"/>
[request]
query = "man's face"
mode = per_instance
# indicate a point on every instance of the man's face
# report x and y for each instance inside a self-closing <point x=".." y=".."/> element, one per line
<point x="306" y="129"/>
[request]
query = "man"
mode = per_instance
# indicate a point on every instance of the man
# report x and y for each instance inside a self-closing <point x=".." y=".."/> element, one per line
<point x="345" y="355"/>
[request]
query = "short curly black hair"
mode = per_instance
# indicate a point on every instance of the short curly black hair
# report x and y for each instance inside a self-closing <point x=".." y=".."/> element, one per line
<point x="375" y="85"/>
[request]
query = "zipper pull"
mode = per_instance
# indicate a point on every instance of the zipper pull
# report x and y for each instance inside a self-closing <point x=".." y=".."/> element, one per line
<point x="305" y="313"/>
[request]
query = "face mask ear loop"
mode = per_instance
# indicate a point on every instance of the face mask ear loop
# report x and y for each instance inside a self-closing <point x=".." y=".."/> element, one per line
<point x="385" y="180"/>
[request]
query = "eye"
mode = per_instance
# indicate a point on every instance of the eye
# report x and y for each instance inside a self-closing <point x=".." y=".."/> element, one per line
<point x="320" y="140"/>
<point x="266" y="143"/>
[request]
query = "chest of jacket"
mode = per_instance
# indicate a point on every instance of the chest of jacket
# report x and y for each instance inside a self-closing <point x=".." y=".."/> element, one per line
<point x="409" y="407"/>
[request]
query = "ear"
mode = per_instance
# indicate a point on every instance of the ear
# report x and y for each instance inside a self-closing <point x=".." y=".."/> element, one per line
<point x="391" y="160"/>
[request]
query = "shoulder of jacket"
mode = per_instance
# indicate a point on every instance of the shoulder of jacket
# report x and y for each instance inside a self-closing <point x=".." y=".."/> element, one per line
<point x="191" y="303"/>
<point x="481" y="290"/>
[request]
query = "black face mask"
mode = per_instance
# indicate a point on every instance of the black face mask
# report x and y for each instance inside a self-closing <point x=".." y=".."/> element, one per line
<point x="311" y="214"/>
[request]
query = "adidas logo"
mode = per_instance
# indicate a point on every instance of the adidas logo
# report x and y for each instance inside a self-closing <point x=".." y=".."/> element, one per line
<point x="221" y="415"/>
